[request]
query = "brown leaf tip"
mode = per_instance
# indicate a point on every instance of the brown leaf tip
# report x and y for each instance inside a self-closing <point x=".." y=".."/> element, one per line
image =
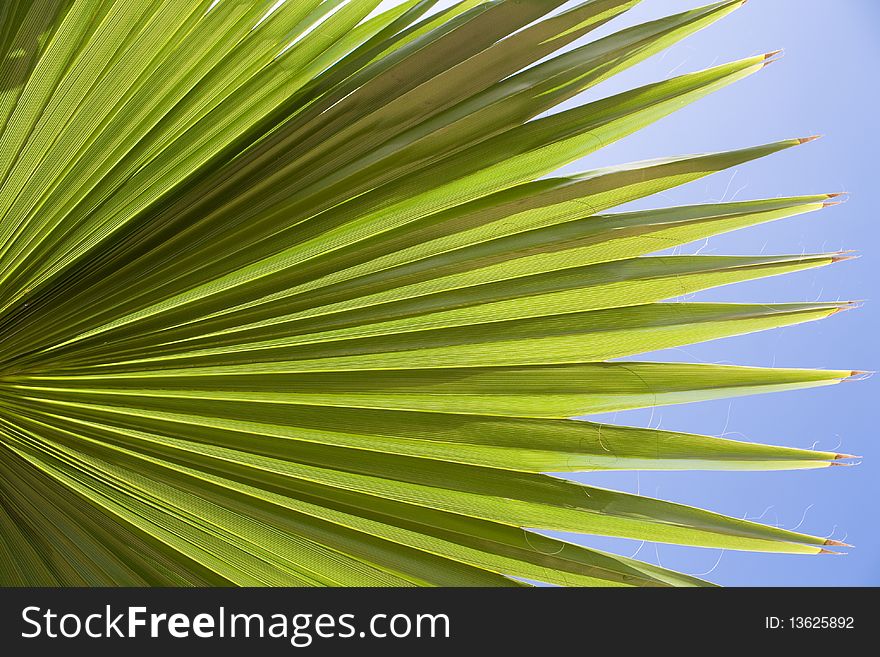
<point x="831" y="541"/>
<point x="842" y="196"/>
<point x="806" y="140"/>
<point x="858" y="375"/>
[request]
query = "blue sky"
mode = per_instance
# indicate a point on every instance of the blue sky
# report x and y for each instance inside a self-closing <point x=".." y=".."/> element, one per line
<point x="821" y="86"/>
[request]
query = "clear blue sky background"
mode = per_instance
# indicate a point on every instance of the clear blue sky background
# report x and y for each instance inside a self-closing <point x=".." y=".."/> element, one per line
<point x="821" y="86"/>
<point x="825" y="84"/>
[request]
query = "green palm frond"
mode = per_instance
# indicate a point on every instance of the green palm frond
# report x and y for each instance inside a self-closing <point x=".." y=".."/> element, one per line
<point x="290" y="295"/>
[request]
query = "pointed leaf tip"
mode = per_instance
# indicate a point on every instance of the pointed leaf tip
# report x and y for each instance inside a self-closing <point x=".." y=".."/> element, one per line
<point x="858" y="375"/>
<point x="831" y="541"/>
<point x="843" y="196"/>
<point x="824" y="551"/>
<point x="773" y="53"/>
<point x="806" y="140"/>
<point x="846" y="456"/>
<point x="843" y="307"/>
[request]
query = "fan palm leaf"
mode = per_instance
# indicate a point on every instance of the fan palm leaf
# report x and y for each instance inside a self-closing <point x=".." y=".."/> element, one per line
<point x="290" y="294"/>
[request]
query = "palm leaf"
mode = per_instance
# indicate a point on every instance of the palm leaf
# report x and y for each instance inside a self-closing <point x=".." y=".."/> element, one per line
<point x="290" y="295"/>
